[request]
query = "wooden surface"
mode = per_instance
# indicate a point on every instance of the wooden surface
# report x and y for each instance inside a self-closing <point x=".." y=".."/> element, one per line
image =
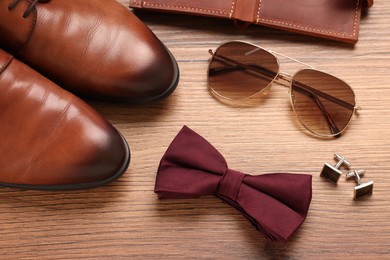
<point x="126" y="220"/>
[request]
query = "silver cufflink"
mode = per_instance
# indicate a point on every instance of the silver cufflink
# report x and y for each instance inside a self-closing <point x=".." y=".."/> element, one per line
<point x="332" y="173"/>
<point x="363" y="189"/>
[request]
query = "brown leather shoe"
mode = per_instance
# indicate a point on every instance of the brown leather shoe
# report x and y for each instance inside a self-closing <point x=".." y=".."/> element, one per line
<point x="94" y="48"/>
<point x="50" y="139"/>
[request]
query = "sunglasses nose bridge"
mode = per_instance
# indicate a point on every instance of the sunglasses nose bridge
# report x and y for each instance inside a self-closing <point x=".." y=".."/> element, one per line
<point x="284" y="79"/>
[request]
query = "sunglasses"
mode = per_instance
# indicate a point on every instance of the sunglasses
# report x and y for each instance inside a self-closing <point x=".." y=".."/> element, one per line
<point x="323" y="104"/>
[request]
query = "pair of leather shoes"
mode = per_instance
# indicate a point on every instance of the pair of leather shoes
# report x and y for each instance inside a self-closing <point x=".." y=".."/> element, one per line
<point x="94" y="48"/>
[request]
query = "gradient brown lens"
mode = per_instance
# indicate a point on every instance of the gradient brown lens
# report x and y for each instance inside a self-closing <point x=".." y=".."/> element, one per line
<point x="240" y="70"/>
<point x="323" y="103"/>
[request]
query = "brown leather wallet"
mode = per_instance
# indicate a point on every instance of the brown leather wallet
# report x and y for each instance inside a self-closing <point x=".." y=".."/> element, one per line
<point x="333" y="19"/>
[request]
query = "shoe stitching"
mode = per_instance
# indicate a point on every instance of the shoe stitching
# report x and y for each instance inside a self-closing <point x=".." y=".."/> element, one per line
<point x="31" y="31"/>
<point x="34" y="14"/>
<point x="6" y="64"/>
<point x="30" y="8"/>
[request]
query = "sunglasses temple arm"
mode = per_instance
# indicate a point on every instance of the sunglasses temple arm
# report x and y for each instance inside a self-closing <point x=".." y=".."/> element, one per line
<point x="260" y="71"/>
<point x="331" y="124"/>
<point x="317" y="92"/>
<point x="227" y="69"/>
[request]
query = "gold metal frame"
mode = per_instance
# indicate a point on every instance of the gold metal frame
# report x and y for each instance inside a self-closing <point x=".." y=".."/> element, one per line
<point x="264" y="90"/>
<point x="287" y="78"/>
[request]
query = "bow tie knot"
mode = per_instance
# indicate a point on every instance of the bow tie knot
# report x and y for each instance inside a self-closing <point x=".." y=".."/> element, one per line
<point x="276" y="204"/>
<point x="230" y="184"/>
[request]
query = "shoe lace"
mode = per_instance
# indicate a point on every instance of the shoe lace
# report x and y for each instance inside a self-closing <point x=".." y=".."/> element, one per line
<point x="13" y="4"/>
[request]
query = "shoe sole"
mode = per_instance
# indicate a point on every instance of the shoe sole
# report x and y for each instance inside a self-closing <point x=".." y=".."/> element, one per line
<point x="78" y="186"/>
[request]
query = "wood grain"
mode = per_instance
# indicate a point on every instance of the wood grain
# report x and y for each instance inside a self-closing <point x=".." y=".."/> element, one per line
<point x="126" y="220"/>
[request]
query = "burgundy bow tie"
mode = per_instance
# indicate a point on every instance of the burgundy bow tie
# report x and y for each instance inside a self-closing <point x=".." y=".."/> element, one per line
<point x="276" y="204"/>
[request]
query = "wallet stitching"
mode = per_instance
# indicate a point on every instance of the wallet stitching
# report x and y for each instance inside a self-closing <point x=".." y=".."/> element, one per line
<point x="137" y="3"/>
<point x="329" y="32"/>
<point x="258" y="12"/>
<point x="192" y="8"/>
<point x="258" y="19"/>
<point x="232" y="9"/>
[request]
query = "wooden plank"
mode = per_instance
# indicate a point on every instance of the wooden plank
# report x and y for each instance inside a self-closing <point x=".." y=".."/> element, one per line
<point x="125" y="219"/>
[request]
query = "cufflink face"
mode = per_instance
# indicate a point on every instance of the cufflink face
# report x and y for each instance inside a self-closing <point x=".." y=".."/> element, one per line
<point x="363" y="190"/>
<point x="330" y="173"/>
